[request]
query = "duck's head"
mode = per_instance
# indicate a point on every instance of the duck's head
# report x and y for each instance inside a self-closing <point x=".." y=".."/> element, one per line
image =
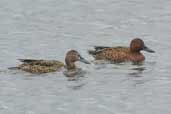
<point x="73" y="56"/>
<point x="137" y="45"/>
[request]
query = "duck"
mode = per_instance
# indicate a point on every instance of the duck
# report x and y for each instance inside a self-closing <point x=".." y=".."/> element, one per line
<point x="120" y="53"/>
<point x="46" y="66"/>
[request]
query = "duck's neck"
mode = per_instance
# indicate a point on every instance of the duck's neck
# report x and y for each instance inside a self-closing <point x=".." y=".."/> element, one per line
<point x="71" y="66"/>
<point x="135" y="52"/>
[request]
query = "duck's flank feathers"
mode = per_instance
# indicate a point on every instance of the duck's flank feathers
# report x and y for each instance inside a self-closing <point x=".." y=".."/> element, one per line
<point x="40" y="66"/>
<point x="121" y="54"/>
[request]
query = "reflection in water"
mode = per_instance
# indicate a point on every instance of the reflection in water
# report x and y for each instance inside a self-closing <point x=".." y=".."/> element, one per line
<point x="137" y="72"/>
<point x="3" y="71"/>
<point x="74" y="75"/>
<point x="138" y="63"/>
<point x="13" y="71"/>
<point x="29" y="76"/>
<point x="77" y="87"/>
<point x="100" y="64"/>
<point x="136" y="75"/>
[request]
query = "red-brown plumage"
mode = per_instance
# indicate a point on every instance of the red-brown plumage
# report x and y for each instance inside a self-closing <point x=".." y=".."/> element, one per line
<point x="122" y="54"/>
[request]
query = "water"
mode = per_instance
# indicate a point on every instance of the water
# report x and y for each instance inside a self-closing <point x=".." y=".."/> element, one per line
<point x="47" y="29"/>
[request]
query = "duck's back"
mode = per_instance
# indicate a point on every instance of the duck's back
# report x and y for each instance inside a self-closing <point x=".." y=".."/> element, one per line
<point x="40" y="66"/>
<point x="116" y="54"/>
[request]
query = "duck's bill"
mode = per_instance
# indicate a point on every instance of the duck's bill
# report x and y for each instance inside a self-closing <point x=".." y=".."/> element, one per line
<point x="84" y="60"/>
<point x="148" y="49"/>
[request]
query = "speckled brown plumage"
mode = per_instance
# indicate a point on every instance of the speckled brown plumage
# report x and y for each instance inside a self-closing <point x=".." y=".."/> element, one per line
<point x="40" y="66"/>
<point x="46" y="66"/>
<point x="121" y="54"/>
<point x="118" y="54"/>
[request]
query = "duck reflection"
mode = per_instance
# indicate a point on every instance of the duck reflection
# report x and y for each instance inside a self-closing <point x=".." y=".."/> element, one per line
<point x="74" y="75"/>
<point x="136" y="72"/>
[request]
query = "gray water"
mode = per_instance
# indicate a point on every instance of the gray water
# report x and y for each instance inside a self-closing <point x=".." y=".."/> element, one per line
<point x="47" y="29"/>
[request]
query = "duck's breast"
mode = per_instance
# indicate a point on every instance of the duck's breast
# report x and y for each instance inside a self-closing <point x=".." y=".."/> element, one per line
<point x="136" y="57"/>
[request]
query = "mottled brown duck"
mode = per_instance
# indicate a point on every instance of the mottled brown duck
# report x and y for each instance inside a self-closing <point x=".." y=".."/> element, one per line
<point x="46" y="66"/>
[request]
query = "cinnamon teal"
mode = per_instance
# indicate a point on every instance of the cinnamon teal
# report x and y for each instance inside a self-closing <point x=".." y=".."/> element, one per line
<point x="46" y="66"/>
<point x="122" y="54"/>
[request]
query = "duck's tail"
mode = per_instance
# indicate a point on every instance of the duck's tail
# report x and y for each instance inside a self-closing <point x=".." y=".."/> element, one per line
<point x="13" y="68"/>
<point x="92" y="52"/>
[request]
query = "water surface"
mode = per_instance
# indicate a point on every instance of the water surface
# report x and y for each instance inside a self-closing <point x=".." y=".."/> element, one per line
<point x="47" y="29"/>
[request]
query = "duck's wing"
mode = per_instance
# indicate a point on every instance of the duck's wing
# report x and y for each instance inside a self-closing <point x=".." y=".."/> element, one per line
<point x="41" y="62"/>
<point x="110" y="53"/>
<point x="29" y="60"/>
<point x="100" y="47"/>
